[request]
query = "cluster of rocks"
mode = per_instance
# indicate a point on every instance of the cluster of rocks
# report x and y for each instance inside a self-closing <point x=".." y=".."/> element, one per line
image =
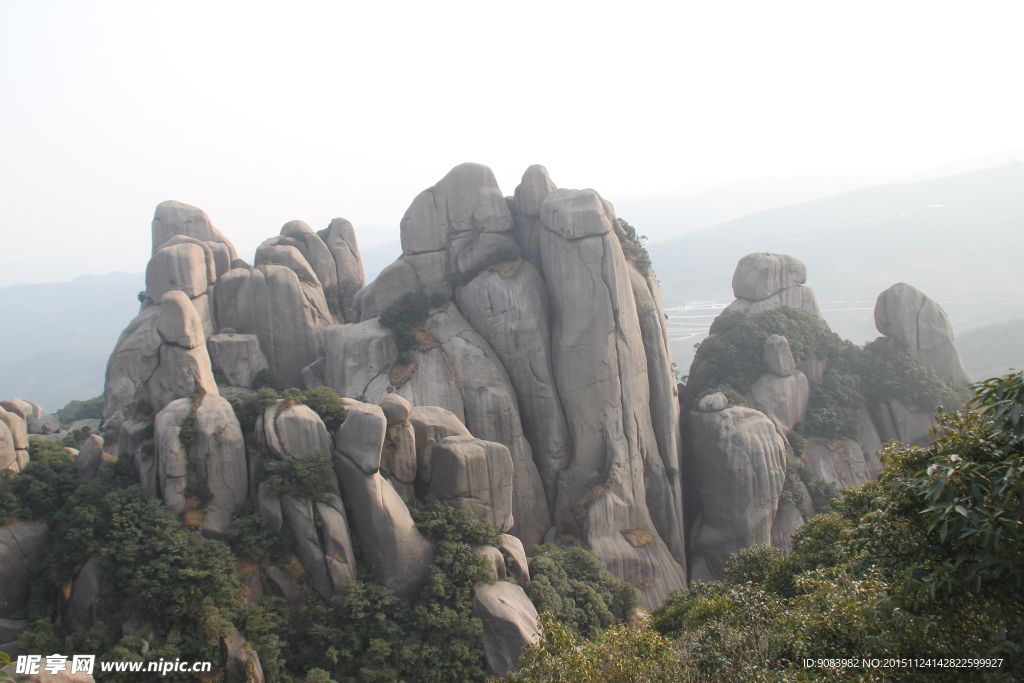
<point x="539" y="394"/>
<point x="735" y="461"/>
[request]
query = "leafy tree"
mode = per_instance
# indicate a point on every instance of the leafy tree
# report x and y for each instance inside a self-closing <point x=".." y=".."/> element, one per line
<point x="576" y="587"/>
<point x="327" y="404"/>
<point x="302" y="478"/>
<point x="621" y="654"/>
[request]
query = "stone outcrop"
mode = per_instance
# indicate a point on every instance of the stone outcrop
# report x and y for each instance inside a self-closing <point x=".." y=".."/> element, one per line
<point x="843" y="464"/>
<point x="22" y="545"/>
<point x="395" y="551"/>
<point x="289" y="316"/>
<point x="766" y="282"/>
<point x="509" y="621"/>
<point x="600" y="370"/>
<point x="477" y="474"/>
<point x="215" y="459"/>
<point x="83" y="605"/>
<point x="236" y="357"/>
<point x="90" y="458"/>
<point x="921" y="328"/>
<point x="741" y="467"/>
<point x="340" y="238"/>
<point x="541" y="393"/>
<point x="175" y="218"/>
<point x="241" y="662"/>
<point x="783" y="393"/>
<point x="512" y="313"/>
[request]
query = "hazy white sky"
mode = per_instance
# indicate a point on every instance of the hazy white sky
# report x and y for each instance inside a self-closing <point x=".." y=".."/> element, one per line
<point x="262" y="113"/>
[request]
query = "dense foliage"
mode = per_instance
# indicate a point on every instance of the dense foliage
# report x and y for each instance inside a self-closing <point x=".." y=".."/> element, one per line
<point x="575" y="586"/>
<point x="369" y="634"/>
<point x="732" y="360"/>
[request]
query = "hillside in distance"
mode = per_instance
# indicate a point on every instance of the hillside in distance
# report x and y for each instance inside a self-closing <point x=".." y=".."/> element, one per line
<point x="958" y="238"/>
<point x="62" y="333"/>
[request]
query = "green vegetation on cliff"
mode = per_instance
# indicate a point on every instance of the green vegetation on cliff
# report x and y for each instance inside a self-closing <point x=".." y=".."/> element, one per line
<point x="927" y="560"/>
<point x="731" y="360"/>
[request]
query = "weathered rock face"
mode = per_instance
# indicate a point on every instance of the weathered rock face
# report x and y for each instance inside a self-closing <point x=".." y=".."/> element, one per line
<point x="15" y="423"/>
<point x="921" y="328"/>
<point x="665" y="502"/>
<point x="90" y="457"/>
<point x="177" y="267"/>
<point x="431" y="425"/>
<point x="893" y="420"/>
<point x="779" y="356"/>
<point x="184" y="364"/>
<point x="8" y="453"/>
<point x="28" y="410"/>
<point x="741" y="467"/>
<point x="470" y="472"/>
<point x="298" y="515"/>
<point x="288" y="316"/>
<point x="241" y="663"/>
<point x="784" y="393"/>
<point x="766" y="282"/>
<point x="510" y="623"/>
<point x="361" y="437"/>
<point x="215" y="459"/>
<point x="492" y="414"/>
<point x="340" y="238"/>
<point x="843" y="465"/>
<point x="758" y="276"/>
<point x="787" y="520"/>
<point x="517" y="564"/>
<point x="175" y="218"/>
<point x="83" y="605"/>
<point x="394" y="549"/>
<point x="22" y="545"/>
<point x="237" y="357"/>
<point x="782" y="399"/>
<point x="600" y="369"/>
<point x="511" y="311"/>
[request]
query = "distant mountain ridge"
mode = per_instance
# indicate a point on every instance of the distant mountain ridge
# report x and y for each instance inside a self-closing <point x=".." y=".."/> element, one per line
<point x="957" y="238"/>
<point x="61" y="334"/>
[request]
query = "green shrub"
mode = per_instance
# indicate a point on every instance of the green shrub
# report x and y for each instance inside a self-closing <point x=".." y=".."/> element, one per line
<point x="248" y="408"/>
<point x="887" y="373"/>
<point x="302" y="478"/>
<point x="633" y="246"/>
<point x="327" y="404"/>
<point x="406" y="315"/>
<point x="370" y="634"/>
<point x="576" y="587"/>
<point x="41" y="488"/>
<point x="252" y="539"/>
<point x="621" y="654"/>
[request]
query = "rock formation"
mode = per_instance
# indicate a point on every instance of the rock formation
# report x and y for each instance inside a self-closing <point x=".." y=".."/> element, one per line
<point x="741" y="468"/>
<point x="765" y="282"/>
<point x="919" y="326"/>
<point x="538" y="392"/>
